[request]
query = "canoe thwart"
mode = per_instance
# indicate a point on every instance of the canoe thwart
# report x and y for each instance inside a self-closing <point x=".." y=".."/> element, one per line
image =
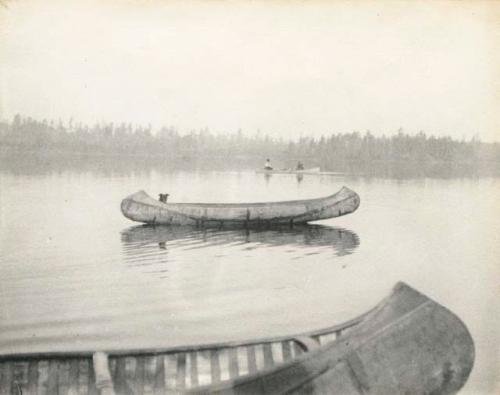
<point x="307" y="343"/>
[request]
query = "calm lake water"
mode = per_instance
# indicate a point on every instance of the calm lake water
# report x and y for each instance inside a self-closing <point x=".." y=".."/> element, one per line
<point x="75" y="274"/>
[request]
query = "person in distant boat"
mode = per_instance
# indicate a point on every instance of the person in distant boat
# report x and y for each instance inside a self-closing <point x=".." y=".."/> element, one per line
<point x="300" y="166"/>
<point x="268" y="166"/>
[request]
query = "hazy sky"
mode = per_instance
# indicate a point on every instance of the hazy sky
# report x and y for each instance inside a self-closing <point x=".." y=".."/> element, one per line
<point x="286" y="68"/>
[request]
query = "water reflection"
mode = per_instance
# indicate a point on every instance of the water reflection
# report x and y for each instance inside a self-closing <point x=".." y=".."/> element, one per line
<point x="151" y="247"/>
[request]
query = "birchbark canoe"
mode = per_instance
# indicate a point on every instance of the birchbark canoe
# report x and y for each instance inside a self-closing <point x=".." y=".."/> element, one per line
<point x="407" y="344"/>
<point x="141" y="207"/>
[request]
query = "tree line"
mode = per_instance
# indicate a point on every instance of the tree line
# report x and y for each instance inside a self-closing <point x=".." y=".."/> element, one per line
<point x="27" y="134"/>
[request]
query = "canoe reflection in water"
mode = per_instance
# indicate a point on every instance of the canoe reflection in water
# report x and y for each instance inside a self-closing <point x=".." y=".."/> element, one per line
<point x="145" y="243"/>
<point x="342" y="240"/>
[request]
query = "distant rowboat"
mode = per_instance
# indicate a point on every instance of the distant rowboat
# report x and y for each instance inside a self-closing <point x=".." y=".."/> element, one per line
<point x="408" y="344"/>
<point x="314" y="171"/>
<point x="141" y="207"/>
<point x="290" y="171"/>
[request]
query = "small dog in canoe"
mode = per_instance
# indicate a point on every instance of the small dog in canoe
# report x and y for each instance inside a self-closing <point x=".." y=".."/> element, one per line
<point x="163" y="197"/>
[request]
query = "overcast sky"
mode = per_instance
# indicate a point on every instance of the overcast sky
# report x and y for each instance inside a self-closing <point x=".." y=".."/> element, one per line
<point x="286" y="68"/>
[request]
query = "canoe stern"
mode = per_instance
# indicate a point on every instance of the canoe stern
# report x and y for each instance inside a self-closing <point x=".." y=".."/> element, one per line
<point x="344" y="202"/>
<point x="427" y="349"/>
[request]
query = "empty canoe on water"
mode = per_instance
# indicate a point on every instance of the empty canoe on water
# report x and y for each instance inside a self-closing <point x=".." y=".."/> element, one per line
<point x="141" y="207"/>
<point x="408" y="344"/>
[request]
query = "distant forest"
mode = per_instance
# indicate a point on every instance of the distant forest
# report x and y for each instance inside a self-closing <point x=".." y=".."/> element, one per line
<point x="27" y="134"/>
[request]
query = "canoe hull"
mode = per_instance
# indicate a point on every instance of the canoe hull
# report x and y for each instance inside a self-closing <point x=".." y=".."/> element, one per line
<point x="141" y="207"/>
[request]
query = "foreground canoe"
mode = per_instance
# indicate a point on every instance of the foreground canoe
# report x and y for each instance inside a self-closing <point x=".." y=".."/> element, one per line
<point x="141" y="207"/>
<point x="408" y="344"/>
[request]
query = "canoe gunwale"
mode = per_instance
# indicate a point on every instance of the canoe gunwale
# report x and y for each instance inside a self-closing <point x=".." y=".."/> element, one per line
<point x="203" y="346"/>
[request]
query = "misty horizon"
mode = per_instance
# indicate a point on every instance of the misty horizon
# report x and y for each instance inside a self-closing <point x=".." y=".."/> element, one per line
<point x="348" y="151"/>
<point x="71" y="125"/>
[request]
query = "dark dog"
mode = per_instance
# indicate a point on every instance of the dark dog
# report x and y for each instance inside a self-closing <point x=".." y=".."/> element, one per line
<point x="163" y="197"/>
